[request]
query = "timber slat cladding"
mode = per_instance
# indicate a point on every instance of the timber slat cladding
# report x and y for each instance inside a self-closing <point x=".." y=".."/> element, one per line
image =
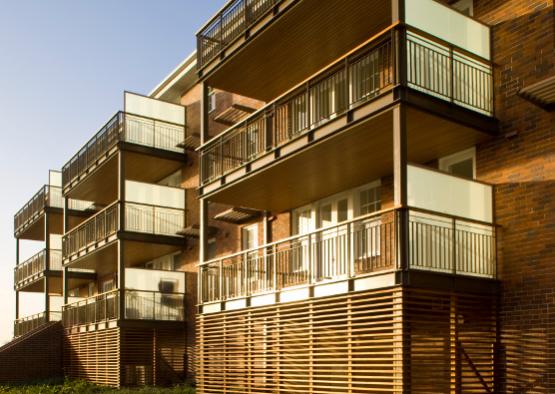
<point x="335" y="345"/>
<point x="452" y="339"/>
<point x="127" y="356"/>
<point x="93" y="356"/>
<point x="374" y="341"/>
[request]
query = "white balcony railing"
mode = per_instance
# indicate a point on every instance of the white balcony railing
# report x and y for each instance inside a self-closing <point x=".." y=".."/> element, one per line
<point x="363" y="246"/>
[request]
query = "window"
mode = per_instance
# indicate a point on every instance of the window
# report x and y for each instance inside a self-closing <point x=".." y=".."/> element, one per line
<point x="465" y="6"/>
<point x="461" y="164"/>
<point x="302" y="220"/>
<point x="211" y="100"/>
<point x="337" y="208"/>
<point x="91" y="289"/>
<point x="249" y="237"/>
<point x="107" y="285"/>
<point x="369" y="200"/>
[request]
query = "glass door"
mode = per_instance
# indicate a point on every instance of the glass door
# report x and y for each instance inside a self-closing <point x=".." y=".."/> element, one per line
<point x="333" y="241"/>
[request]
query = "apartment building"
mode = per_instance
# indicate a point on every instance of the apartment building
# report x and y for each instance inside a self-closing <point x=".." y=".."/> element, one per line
<point x="41" y="220"/>
<point x="327" y="197"/>
<point x="121" y="227"/>
<point x="384" y="217"/>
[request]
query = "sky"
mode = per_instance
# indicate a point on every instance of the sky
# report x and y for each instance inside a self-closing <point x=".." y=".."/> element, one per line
<point x="64" y="65"/>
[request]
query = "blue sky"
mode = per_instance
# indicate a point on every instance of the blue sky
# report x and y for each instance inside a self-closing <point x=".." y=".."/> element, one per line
<point x="64" y="65"/>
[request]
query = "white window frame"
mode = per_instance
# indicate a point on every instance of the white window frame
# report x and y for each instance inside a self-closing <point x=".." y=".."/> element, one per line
<point x="448" y="161"/>
<point x="91" y="289"/>
<point x="211" y="100"/>
<point x="250" y="228"/>
<point x="105" y="282"/>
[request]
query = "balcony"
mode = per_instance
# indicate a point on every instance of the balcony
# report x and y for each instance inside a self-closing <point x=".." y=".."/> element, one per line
<point x="28" y="275"/>
<point x="302" y="36"/>
<point x="446" y="236"/>
<point x="161" y="223"/>
<point x="24" y="325"/>
<point x="28" y="221"/>
<point x="151" y="131"/>
<point x="352" y="101"/>
<point x="150" y="295"/>
<point x="34" y="268"/>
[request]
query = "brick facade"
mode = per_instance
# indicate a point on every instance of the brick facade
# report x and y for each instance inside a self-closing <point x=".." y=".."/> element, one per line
<point x="520" y="164"/>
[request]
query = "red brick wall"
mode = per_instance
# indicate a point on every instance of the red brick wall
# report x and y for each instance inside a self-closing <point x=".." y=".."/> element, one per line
<point x="523" y="169"/>
<point x="36" y="356"/>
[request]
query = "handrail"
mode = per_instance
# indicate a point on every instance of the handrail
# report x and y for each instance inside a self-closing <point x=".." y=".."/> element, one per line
<point x="25" y="324"/>
<point x="161" y="134"/>
<point x="137" y="217"/>
<point x="238" y="15"/>
<point x="36" y="264"/>
<point x="105" y="306"/>
<point x="46" y="196"/>
<point x="295" y="237"/>
<point x="346" y="222"/>
<point x="365" y="245"/>
<point x="88" y="299"/>
<point x="92" y="218"/>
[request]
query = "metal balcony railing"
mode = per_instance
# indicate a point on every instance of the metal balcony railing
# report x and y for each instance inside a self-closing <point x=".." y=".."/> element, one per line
<point x="229" y="24"/>
<point x="139" y="305"/>
<point x="47" y="196"/>
<point x="433" y="66"/>
<point x="141" y="218"/>
<point x="26" y="324"/>
<point x="359" y="247"/>
<point x="36" y="264"/>
<point x="100" y="308"/>
<point x="123" y="127"/>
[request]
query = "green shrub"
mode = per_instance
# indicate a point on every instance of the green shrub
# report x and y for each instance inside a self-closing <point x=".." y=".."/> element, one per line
<point x="83" y="387"/>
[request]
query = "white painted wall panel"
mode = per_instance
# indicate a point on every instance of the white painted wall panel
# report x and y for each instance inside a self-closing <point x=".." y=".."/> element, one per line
<point x="449" y="25"/>
<point x="145" y="106"/>
<point x="447" y="194"/>
<point x="147" y="193"/>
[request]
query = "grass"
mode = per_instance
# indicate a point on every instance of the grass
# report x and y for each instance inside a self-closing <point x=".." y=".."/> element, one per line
<point x="79" y="386"/>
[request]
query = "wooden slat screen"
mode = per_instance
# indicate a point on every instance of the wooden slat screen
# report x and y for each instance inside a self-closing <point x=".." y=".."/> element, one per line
<point x="349" y="343"/>
<point x="452" y="339"/>
<point x="127" y="356"/>
<point x="365" y="342"/>
<point x="93" y="356"/>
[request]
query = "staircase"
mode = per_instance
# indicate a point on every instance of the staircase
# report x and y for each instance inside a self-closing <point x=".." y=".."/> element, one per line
<point x="34" y="356"/>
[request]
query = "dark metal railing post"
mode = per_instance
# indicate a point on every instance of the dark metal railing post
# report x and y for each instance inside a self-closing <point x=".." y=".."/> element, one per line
<point x="452" y="73"/>
<point x="454" y="241"/>
<point x="269" y="123"/>
<point x="221" y="280"/>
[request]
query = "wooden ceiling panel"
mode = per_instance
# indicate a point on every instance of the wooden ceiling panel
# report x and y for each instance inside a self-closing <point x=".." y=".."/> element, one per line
<point x="101" y="186"/>
<point x="338" y="163"/>
<point x="303" y="40"/>
<point x="348" y="159"/>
